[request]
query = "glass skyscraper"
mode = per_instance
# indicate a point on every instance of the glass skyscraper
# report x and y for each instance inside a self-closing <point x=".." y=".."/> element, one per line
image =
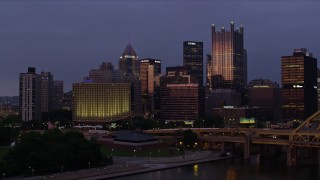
<point x="299" y="85"/>
<point x="193" y="58"/>
<point x="228" y="66"/>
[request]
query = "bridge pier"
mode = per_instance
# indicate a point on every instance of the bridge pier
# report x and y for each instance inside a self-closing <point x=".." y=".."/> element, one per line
<point x="302" y="156"/>
<point x="246" y="146"/>
<point x="292" y="156"/>
<point x="223" y="147"/>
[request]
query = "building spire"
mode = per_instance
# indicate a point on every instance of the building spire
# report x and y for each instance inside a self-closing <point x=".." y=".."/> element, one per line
<point x="129" y="39"/>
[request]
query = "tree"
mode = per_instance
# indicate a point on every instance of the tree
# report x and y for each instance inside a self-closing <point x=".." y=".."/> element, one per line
<point x="9" y="129"/>
<point x="48" y="152"/>
<point x="189" y="139"/>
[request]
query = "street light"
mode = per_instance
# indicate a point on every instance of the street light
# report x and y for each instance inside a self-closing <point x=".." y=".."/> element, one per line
<point x="134" y="153"/>
<point x="89" y="165"/>
<point x="111" y="152"/>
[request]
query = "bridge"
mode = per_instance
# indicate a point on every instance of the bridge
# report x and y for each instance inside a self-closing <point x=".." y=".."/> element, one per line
<point x="306" y="135"/>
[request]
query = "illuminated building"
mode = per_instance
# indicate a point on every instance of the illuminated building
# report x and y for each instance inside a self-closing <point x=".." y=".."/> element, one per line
<point x="8" y="109"/>
<point x="266" y="94"/>
<point x="180" y="99"/>
<point x="178" y="75"/>
<point x="46" y="87"/>
<point x="299" y="85"/>
<point x="237" y="116"/>
<point x="101" y="102"/>
<point x="181" y="102"/>
<point x="30" y="95"/>
<point x="149" y="69"/>
<point x="128" y="62"/>
<point x="228" y="66"/>
<point x="193" y="58"/>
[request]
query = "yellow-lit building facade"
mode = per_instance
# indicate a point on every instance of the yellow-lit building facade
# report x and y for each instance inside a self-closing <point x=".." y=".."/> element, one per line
<point x="101" y="102"/>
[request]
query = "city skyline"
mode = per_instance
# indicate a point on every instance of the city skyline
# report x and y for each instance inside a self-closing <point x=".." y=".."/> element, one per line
<point x="56" y="36"/>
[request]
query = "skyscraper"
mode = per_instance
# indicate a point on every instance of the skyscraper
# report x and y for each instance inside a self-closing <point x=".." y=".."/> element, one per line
<point x="30" y="95"/>
<point x="128" y="62"/>
<point x="299" y="85"/>
<point x="57" y="95"/>
<point x="227" y="68"/>
<point x="149" y="68"/>
<point x="46" y="88"/>
<point x="193" y="58"/>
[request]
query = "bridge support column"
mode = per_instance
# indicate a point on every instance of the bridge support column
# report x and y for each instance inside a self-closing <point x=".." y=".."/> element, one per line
<point x="246" y="147"/>
<point x="292" y="156"/>
<point x="223" y="147"/>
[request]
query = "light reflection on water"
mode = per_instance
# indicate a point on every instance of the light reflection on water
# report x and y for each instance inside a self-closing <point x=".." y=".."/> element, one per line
<point x="195" y="170"/>
<point x="232" y="169"/>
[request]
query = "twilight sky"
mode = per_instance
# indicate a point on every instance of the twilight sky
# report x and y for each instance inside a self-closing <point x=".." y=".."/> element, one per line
<point x="70" y="37"/>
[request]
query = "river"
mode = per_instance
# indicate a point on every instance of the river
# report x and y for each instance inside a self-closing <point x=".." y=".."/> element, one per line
<point x="231" y="169"/>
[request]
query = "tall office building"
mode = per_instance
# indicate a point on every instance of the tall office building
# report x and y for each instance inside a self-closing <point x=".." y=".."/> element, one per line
<point x="149" y="69"/>
<point x="181" y="102"/>
<point x="265" y="94"/>
<point x="299" y="85"/>
<point x="46" y="90"/>
<point x="128" y="62"/>
<point x="57" y="95"/>
<point x="228" y="66"/>
<point x="30" y="95"/>
<point x="193" y="58"/>
<point x="101" y="102"/>
<point x="51" y="92"/>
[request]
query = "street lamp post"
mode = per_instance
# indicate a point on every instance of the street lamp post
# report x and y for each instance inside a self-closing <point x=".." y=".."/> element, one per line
<point x="134" y="153"/>
<point x="89" y="165"/>
<point x="111" y="152"/>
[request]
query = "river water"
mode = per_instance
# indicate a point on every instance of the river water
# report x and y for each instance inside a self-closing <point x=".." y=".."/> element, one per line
<point x="232" y="169"/>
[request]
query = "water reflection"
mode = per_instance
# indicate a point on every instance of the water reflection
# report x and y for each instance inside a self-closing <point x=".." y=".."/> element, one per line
<point x="196" y="170"/>
<point x="231" y="173"/>
<point x="231" y="169"/>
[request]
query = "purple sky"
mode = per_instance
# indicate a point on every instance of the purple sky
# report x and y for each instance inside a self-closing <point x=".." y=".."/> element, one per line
<point x="68" y="38"/>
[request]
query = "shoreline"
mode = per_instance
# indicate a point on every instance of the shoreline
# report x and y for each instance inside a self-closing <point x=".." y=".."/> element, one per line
<point x="158" y="169"/>
<point x="127" y="166"/>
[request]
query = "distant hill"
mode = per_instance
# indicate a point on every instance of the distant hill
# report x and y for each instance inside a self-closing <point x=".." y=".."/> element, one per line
<point x="13" y="100"/>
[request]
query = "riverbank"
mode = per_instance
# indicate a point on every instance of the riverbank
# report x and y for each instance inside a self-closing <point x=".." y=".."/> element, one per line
<point x="125" y="166"/>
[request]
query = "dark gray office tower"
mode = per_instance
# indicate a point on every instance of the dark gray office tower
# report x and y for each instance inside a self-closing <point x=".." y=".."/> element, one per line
<point x="193" y="58"/>
<point x="227" y="68"/>
<point x="299" y="85"/>
<point x="128" y="62"/>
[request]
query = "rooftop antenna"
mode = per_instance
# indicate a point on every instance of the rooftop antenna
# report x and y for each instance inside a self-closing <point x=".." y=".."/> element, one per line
<point x="129" y="38"/>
